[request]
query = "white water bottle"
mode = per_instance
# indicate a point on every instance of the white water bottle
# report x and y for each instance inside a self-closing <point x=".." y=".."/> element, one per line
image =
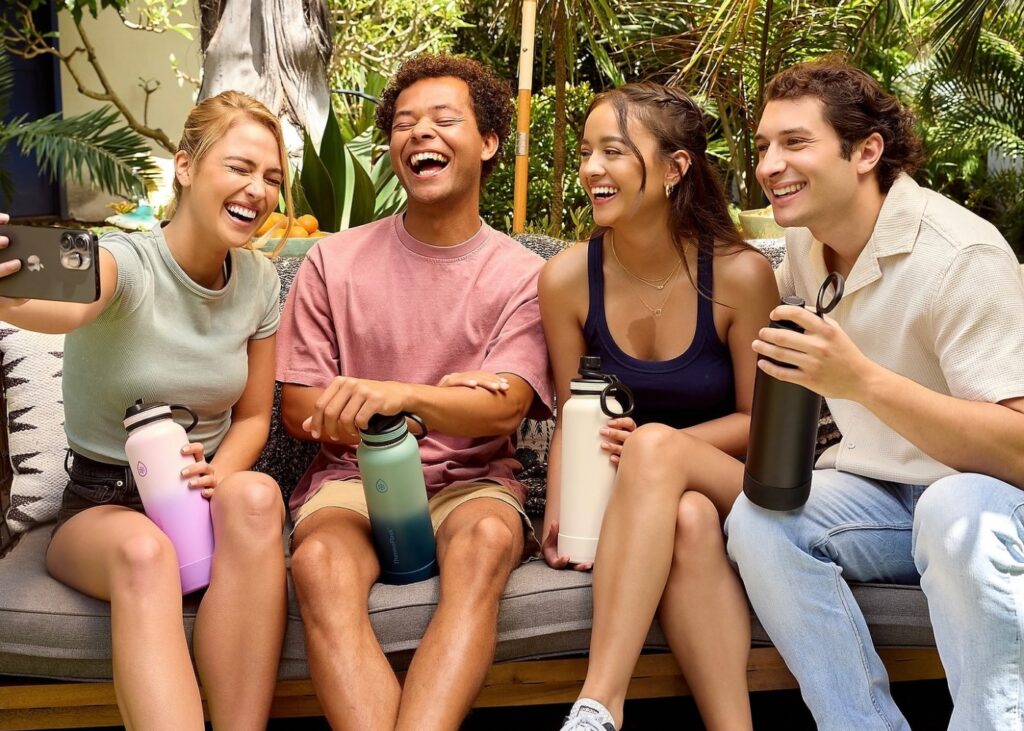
<point x="180" y="511"/>
<point x="587" y="473"/>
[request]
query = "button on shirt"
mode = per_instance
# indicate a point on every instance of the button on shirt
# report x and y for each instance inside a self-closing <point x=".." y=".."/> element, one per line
<point x="937" y="296"/>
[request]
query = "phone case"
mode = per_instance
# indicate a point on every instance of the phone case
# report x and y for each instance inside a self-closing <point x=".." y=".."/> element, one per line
<point x="56" y="264"/>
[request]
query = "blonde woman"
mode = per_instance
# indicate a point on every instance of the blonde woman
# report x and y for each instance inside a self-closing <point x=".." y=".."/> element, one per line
<point x="187" y="314"/>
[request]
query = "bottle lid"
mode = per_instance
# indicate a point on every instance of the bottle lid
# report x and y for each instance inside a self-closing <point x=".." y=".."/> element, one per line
<point x="382" y="424"/>
<point x="590" y="369"/>
<point x="142" y="412"/>
<point x="792" y="299"/>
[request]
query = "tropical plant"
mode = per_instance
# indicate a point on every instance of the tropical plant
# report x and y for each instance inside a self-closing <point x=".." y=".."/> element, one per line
<point x="372" y="37"/>
<point x="967" y="118"/>
<point x="88" y="148"/>
<point x="349" y="181"/>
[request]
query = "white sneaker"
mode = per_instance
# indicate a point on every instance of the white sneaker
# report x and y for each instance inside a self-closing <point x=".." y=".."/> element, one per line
<point x="588" y="715"/>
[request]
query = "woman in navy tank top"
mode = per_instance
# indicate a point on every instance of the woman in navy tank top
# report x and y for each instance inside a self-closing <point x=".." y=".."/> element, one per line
<point x="671" y="298"/>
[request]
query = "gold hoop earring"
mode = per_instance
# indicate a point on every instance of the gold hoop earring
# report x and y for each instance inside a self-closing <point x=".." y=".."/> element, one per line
<point x="668" y="190"/>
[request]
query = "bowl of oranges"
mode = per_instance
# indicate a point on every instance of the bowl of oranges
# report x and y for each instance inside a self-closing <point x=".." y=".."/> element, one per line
<point x="303" y="233"/>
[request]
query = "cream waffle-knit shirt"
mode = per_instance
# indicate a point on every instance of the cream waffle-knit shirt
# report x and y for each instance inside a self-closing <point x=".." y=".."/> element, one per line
<point x="937" y="296"/>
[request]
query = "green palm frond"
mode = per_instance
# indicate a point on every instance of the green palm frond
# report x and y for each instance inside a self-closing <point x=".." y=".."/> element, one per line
<point x="963" y="23"/>
<point x="968" y="115"/>
<point x="116" y="159"/>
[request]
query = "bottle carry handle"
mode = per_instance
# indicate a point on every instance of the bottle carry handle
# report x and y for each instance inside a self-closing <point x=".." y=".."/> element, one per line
<point x="837" y="281"/>
<point x="195" y="419"/>
<point x="419" y="422"/>
<point x="621" y="393"/>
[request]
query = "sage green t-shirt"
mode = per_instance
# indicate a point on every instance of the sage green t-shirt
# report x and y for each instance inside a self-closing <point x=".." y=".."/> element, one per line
<point x="165" y="338"/>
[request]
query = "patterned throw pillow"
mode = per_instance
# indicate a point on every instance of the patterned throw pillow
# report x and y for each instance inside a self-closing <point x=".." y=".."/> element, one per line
<point x="32" y="368"/>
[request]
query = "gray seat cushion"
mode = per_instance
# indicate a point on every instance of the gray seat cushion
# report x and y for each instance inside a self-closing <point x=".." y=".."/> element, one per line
<point x="49" y="630"/>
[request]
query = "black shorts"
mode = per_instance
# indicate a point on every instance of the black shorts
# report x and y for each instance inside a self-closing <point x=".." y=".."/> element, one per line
<point x="93" y="483"/>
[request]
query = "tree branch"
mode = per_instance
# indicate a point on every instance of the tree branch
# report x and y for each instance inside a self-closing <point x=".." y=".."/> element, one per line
<point x="27" y="42"/>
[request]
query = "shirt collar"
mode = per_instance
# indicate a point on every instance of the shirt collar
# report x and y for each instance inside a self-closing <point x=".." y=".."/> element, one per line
<point x="895" y="232"/>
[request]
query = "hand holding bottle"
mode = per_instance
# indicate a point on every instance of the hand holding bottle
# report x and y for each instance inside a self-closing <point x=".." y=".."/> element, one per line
<point x="615" y="435"/>
<point x="824" y="358"/>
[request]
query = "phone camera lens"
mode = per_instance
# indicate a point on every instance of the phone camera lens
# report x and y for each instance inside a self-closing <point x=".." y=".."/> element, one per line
<point x="67" y="241"/>
<point x="82" y="240"/>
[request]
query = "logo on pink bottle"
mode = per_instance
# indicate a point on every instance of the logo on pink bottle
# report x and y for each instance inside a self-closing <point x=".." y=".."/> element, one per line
<point x="142" y="469"/>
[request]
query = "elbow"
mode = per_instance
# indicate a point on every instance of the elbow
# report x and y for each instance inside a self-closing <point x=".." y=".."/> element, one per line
<point x="292" y="419"/>
<point x="509" y="421"/>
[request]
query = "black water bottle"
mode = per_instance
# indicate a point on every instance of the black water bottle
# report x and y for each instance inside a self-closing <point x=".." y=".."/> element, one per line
<point x="784" y="427"/>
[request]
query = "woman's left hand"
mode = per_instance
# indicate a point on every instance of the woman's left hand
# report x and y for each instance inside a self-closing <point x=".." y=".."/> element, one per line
<point x="201" y="474"/>
<point x="615" y="433"/>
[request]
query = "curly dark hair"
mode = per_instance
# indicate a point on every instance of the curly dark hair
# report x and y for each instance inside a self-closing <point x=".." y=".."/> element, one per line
<point x="856" y="106"/>
<point x="491" y="95"/>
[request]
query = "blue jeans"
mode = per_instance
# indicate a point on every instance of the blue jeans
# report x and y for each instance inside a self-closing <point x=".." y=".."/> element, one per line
<point x="962" y="539"/>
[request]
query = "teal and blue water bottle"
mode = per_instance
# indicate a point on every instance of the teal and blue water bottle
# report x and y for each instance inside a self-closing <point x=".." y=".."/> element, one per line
<point x="396" y="496"/>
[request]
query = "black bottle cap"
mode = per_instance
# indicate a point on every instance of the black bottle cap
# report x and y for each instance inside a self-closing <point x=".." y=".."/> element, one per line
<point x="382" y="424"/>
<point x="792" y="299"/>
<point x="139" y="406"/>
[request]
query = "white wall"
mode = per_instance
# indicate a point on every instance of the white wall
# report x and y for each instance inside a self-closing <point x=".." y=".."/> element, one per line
<point x="126" y="55"/>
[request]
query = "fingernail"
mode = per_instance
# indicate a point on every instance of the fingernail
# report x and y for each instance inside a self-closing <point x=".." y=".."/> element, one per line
<point x="315" y="434"/>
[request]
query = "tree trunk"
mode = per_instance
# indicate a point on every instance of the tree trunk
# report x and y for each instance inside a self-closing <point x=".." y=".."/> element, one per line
<point x="274" y="50"/>
<point x="558" y="146"/>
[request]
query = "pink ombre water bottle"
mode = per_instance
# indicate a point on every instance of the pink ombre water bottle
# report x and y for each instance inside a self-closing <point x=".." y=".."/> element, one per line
<point x="181" y="512"/>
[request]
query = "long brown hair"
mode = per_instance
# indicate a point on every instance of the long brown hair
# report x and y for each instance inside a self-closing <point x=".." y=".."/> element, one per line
<point x="698" y="209"/>
<point x="210" y="120"/>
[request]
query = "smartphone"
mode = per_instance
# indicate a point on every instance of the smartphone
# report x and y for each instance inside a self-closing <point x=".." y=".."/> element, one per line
<point x="59" y="264"/>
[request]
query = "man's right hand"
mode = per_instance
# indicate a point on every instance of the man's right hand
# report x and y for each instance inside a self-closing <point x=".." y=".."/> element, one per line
<point x="347" y="404"/>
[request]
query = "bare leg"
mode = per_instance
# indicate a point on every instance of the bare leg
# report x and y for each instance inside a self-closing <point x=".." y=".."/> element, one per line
<point x="240" y="625"/>
<point x="634" y="554"/>
<point x="334" y="567"/>
<point x="478" y="545"/>
<point x="705" y="617"/>
<point x="120" y="556"/>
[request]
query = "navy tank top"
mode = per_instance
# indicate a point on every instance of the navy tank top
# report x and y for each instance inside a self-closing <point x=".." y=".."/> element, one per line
<point x="691" y="388"/>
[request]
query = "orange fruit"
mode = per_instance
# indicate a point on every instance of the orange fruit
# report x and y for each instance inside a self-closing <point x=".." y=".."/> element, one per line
<point x="272" y="219"/>
<point x="295" y="232"/>
<point x="308" y="222"/>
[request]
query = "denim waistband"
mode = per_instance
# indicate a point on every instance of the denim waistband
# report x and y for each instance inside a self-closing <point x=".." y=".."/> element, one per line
<point x="103" y="482"/>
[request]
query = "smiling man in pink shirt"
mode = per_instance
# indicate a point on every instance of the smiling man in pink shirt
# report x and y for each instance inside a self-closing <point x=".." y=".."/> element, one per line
<point x="376" y="317"/>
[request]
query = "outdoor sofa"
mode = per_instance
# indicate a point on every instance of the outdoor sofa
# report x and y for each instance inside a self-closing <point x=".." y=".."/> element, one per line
<point x="50" y="634"/>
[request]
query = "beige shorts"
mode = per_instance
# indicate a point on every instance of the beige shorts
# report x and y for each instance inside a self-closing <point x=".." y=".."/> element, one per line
<point x="348" y="495"/>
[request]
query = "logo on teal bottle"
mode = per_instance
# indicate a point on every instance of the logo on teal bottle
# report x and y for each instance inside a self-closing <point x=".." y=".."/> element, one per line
<point x="382" y="486"/>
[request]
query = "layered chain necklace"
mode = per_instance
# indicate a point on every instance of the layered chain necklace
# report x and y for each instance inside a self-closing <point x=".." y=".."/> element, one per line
<point x="659" y="284"/>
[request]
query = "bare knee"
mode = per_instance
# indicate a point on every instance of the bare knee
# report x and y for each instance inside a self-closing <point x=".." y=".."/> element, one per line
<point x="487" y="545"/>
<point x="655" y="461"/>
<point x="324" y="567"/>
<point x="698" y="530"/>
<point x="248" y="503"/>
<point x="143" y="562"/>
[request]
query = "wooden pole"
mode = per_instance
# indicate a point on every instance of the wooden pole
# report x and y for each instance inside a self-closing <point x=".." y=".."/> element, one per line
<point x="523" y="117"/>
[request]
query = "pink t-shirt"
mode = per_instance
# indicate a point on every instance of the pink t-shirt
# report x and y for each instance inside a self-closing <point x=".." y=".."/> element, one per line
<point x="373" y="302"/>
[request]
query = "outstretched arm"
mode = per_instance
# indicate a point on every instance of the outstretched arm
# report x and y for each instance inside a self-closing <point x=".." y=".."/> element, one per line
<point x="56" y="317"/>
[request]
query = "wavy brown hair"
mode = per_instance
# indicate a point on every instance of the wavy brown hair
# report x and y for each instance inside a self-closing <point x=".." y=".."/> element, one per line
<point x="491" y="95"/>
<point x="855" y="106"/>
<point x="698" y="209"/>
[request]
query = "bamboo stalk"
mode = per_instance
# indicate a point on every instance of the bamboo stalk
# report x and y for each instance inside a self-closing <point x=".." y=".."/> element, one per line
<point x="523" y="117"/>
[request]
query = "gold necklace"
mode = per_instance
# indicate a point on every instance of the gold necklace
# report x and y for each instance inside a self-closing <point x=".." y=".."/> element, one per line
<point x="657" y="311"/>
<point x="655" y="283"/>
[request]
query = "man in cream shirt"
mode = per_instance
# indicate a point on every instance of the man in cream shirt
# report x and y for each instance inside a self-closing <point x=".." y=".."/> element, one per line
<point x="922" y="365"/>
